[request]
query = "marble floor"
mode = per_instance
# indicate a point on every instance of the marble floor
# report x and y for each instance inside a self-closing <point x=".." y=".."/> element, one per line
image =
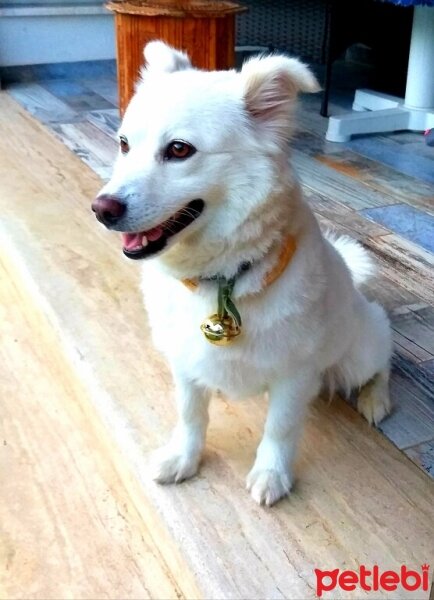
<point x="378" y="188"/>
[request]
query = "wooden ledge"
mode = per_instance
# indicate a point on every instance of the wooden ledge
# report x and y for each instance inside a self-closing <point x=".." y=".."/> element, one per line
<point x="51" y="10"/>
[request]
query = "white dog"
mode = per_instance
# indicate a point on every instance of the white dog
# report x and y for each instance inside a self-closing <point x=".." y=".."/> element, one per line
<point x="203" y="183"/>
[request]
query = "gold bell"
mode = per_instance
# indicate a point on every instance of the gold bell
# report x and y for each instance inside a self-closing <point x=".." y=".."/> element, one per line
<point x="220" y="330"/>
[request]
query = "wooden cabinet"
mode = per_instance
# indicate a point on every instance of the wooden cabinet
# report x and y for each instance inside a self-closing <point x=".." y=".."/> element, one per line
<point x="206" y="30"/>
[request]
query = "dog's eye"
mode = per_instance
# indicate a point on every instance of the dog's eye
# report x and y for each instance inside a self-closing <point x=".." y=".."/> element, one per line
<point x="179" y="150"/>
<point x="124" y="145"/>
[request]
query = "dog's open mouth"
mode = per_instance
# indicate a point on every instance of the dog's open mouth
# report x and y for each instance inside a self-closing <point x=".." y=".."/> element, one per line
<point x="145" y="243"/>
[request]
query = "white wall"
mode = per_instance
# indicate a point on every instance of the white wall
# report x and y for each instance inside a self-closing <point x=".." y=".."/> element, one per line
<point x="47" y="33"/>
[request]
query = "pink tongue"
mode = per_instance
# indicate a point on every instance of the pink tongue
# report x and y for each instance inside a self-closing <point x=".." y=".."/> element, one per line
<point x="134" y="241"/>
<point x="154" y="234"/>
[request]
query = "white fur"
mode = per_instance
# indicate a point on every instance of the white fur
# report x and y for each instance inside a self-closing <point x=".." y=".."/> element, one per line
<point x="355" y="256"/>
<point x="160" y="57"/>
<point x="310" y="323"/>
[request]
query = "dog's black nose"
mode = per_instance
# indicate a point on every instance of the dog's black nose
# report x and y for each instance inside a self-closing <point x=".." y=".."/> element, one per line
<point x="108" y="209"/>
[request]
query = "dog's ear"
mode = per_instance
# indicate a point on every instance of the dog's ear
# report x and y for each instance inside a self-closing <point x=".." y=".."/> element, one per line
<point x="160" y="57"/>
<point x="270" y="86"/>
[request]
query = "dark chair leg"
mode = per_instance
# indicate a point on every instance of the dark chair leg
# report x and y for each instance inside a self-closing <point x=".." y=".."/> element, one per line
<point x="326" y="90"/>
<point x="327" y="52"/>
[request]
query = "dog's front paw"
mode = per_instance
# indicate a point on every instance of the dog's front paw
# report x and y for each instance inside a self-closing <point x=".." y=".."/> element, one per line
<point x="172" y="466"/>
<point x="267" y="486"/>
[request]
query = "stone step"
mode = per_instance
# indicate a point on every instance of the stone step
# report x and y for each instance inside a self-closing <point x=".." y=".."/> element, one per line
<point x="357" y="499"/>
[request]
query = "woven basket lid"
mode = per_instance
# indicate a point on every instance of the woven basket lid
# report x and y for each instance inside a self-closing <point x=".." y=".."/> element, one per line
<point x="176" y="8"/>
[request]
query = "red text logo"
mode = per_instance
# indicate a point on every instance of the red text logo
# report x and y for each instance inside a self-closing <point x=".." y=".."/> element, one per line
<point x="372" y="579"/>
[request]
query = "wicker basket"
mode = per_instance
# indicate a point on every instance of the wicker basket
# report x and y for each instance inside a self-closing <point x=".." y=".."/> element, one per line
<point x="180" y="8"/>
<point x="297" y="26"/>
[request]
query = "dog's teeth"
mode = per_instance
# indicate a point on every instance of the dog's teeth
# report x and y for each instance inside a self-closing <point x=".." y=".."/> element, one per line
<point x="134" y="241"/>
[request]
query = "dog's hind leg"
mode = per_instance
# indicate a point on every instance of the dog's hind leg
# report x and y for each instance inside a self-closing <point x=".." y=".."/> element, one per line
<point x="179" y="458"/>
<point x="271" y="476"/>
<point x="366" y="365"/>
<point x="374" y="398"/>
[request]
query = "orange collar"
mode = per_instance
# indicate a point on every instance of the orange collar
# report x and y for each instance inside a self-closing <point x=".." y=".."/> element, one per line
<point x="287" y="251"/>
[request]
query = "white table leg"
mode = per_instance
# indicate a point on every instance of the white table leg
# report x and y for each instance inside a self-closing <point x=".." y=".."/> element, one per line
<point x="419" y="91"/>
<point x="375" y="112"/>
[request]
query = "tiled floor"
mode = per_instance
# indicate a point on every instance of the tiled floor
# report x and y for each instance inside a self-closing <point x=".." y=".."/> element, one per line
<point x="379" y="189"/>
<point x="410" y="222"/>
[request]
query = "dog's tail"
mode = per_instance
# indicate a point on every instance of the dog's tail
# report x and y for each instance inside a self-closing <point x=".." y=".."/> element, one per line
<point x="355" y="257"/>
